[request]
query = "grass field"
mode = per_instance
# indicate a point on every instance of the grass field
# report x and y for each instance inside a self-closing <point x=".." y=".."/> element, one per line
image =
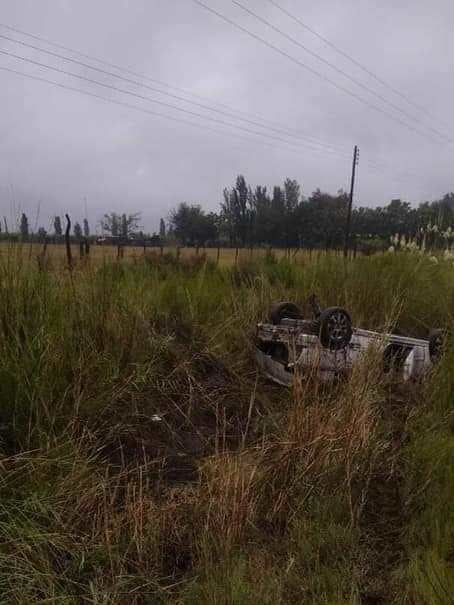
<point x="56" y="253"/>
<point x="143" y="459"/>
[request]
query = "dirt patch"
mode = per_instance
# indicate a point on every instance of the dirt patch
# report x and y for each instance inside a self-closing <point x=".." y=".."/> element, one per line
<point x="196" y="409"/>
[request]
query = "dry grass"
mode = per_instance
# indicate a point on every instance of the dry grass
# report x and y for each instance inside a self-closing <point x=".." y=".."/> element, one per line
<point x="55" y="254"/>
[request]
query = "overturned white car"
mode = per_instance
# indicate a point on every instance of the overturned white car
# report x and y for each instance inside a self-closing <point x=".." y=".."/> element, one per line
<point x="329" y="344"/>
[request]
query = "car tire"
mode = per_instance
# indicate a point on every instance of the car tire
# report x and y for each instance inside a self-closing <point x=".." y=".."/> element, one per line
<point x="335" y="328"/>
<point x="284" y="310"/>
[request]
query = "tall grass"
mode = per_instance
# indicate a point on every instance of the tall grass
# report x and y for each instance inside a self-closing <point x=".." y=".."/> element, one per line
<point x="144" y="460"/>
<point x="428" y="575"/>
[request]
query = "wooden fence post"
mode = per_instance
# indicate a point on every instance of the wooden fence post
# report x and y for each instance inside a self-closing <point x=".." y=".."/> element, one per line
<point x="68" y="242"/>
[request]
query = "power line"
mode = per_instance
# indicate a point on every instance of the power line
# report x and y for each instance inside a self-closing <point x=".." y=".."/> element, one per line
<point x="167" y="105"/>
<point x="151" y="112"/>
<point x="130" y="106"/>
<point x="350" y="58"/>
<point x="203" y="127"/>
<point x="173" y="96"/>
<point x="290" y="144"/>
<point x="331" y="147"/>
<point x="337" y="69"/>
<point x="170" y="86"/>
<point x="313" y="71"/>
<point x="149" y="99"/>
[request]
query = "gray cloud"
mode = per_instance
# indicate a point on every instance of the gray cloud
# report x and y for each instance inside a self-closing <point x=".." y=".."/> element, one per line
<point x="58" y="147"/>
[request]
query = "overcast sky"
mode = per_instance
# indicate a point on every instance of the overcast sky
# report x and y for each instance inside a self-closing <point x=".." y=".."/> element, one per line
<point x="58" y="147"/>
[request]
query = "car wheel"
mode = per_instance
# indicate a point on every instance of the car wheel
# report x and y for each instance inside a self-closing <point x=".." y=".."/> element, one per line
<point x="284" y="310"/>
<point x="335" y="328"/>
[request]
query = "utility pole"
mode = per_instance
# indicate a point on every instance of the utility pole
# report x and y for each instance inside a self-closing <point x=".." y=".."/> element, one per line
<point x="350" y="202"/>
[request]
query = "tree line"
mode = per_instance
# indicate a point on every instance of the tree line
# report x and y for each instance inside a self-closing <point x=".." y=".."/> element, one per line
<point x="280" y="217"/>
<point x="119" y="226"/>
<point x="24" y="232"/>
<point x="284" y="217"/>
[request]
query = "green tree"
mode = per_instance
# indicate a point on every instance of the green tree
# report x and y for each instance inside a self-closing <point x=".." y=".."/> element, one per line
<point x="243" y="195"/>
<point x="229" y="216"/>
<point x="162" y="229"/>
<point x="77" y="231"/>
<point x="237" y="212"/>
<point x="278" y="217"/>
<point x="263" y="227"/>
<point x="42" y="234"/>
<point x="111" y="224"/>
<point x="323" y="219"/>
<point x="192" y="226"/>
<point x="86" y="228"/>
<point x="23" y="227"/>
<point x="124" y="225"/>
<point x="292" y="199"/>
<point x="58" y="230"/>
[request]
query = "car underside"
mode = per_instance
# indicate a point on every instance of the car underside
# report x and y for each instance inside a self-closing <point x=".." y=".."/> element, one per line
<point x="328" y="344"/>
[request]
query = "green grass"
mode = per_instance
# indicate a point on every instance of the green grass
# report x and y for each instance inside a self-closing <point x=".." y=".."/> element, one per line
<point x="429" y="539"/>
<point x="143" y="459"/>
